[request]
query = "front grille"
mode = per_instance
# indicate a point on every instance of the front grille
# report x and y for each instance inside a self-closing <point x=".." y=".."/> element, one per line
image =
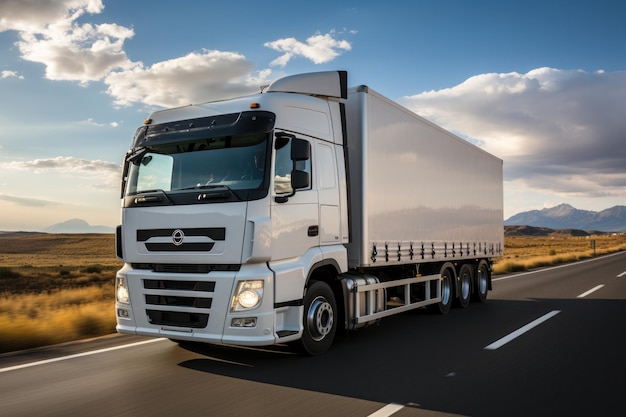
<point x="177" y="318"/>
<point x="170" y="300"/>
<point x="164" y="284"/>
<point x="177" y="239"/>
<point x="185" y="247"/>
<point x="197" y="294"/>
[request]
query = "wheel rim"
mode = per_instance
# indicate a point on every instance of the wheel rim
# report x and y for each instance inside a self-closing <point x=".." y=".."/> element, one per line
<point x="446" y="289"/>
<point x="320" y="318"/>
<point x="465" y="285"/>
<point x="482" y="281"/>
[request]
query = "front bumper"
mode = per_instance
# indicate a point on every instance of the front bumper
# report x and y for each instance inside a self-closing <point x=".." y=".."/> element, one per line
<point x="196" y="307"/>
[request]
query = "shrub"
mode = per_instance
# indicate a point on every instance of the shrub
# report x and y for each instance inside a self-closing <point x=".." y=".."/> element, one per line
<point x="8" y="273"/>
<point x="93" y="269"/>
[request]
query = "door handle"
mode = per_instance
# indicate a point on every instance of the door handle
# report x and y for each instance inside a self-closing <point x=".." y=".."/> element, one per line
<point x="313" y="231"/>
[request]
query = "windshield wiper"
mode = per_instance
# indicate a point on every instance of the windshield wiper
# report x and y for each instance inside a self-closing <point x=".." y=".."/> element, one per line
<point x="201" y="187"/>
<point x="154" y="190"/>
<point x="141" y="197"/>
<point x="213" y="191"/>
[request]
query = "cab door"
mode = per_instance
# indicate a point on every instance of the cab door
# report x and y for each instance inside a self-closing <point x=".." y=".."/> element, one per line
<point x="295" y="213"/>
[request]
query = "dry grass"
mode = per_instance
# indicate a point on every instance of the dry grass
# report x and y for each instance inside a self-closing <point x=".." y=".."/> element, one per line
<point x="32" y="320"/>
<point x="55" y="288"/>
<point x="524" y="253"/>
<point x="57" y="250"/>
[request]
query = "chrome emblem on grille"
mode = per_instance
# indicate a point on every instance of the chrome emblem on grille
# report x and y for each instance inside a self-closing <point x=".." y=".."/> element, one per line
<point x="177" y="237"/>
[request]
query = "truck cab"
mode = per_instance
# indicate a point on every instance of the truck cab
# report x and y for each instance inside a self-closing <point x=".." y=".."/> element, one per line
<point x="228" y="208"/>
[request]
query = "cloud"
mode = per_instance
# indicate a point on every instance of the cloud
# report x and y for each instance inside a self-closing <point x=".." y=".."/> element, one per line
<point x="64" y="163"/>
<point x="105" y="174"/>
<point x="197" y="77"/>
<point x="50" y="35"/>
<point x="10" y="74"/>
<point x="560" y="131"/>
<point x="28" y="202"/>
<point x="35" y="15"/>
<point x="318" y="48"/>
<point x="92" y="122"/>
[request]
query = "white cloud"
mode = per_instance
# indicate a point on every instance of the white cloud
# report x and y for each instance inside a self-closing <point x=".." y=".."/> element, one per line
<point x="50" y="35"/>
<point x="35" y="15"/>
<point x="92" y="122"/>
<point x="193" y="78"/>
<point x="557" y="130"/>
<point x="11" y="74"/>
<point x="63" y="163"/>
<point x="28" y="202"/>
<point x="102" y="174"/>
<point x="318" y="48"/>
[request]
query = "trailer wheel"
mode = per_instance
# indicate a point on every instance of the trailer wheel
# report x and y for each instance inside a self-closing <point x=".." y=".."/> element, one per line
<point x="482" y="282"/>
<point x="466" y="276"/>
<point x="320" y="319"/>
<point x="447" y="291"/>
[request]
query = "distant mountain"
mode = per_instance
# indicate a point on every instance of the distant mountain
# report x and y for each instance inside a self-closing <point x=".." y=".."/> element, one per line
<point x="565" y="216"/>
<point x="77" y="226"/>
<point x="544" y="231"/>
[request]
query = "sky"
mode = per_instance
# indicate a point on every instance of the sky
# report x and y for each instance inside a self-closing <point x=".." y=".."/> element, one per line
<point x="539" y="83"/>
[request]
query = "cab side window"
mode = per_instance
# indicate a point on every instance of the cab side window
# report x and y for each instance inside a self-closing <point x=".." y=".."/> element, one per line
<point x="284" y="165"/>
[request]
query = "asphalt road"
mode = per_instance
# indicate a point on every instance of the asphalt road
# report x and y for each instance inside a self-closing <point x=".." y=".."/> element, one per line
<point x="547" y="343"/>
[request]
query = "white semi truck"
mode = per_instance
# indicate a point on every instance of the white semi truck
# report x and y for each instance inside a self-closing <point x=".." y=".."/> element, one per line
<point x="293" y="214"/>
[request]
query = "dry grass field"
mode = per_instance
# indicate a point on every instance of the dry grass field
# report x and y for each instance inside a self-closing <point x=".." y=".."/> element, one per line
<point x="527" y="252"/>
<point x="56" y="288"/>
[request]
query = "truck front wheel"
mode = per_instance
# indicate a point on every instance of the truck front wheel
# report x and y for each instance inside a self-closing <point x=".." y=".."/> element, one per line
<point x="320" y="319"/>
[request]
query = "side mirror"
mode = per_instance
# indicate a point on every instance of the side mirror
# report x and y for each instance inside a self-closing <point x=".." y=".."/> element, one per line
<point x="300" y="179"/>
<point x="300" y="150"/>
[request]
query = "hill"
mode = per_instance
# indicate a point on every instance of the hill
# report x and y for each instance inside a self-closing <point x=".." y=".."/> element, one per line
<point x="565" y="216"/>
<point x="531" y="231"/>
<point x="77" y="226"/>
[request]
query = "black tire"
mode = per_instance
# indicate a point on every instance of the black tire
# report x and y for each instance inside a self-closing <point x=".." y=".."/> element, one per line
<point x="466" y="276"/>
<point x="320" y="319"/>
<point x="447" y="292"/>
<point x="481" y="287"/>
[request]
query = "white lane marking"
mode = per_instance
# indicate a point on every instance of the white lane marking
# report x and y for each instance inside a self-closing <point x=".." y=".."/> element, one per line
<point x="387" y="410"/>
<point x="559" y="266"/>
<point x="506" y="339"/>
<point x="77" y="355"/>
<point x="594" y="289"/>
<point x="622" y="274"/>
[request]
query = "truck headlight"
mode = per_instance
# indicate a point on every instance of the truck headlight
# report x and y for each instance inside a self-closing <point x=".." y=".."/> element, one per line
<point x="121" y="291"/>
<point x="248" y="295"/>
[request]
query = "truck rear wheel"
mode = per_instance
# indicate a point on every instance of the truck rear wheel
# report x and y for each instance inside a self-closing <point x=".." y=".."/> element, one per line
<point x="320" y="319"/>
<point x="447" y="292"/>
<point x="482" y="282"/>
<point x="466" y="276"/>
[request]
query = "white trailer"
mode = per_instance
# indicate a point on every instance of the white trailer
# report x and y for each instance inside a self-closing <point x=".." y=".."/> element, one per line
<point x="307" y="209"/>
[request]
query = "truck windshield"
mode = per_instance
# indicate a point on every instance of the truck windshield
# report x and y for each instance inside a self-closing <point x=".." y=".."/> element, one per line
<point x="236" y="163"/>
